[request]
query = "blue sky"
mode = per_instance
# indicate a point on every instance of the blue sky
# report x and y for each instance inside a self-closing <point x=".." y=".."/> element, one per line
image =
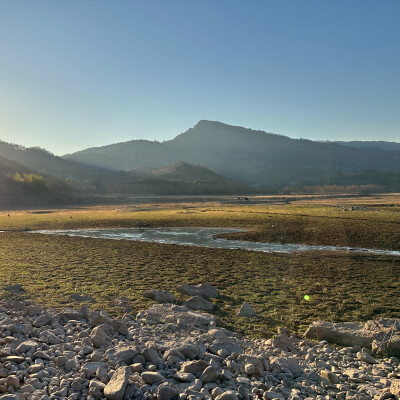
<point x="85" y="73"/>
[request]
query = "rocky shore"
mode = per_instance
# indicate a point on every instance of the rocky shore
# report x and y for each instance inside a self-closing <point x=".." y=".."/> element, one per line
<point x="171" y="352"/>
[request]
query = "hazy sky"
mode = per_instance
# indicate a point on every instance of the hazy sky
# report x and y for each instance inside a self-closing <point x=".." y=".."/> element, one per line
<point x="83" y="73"/>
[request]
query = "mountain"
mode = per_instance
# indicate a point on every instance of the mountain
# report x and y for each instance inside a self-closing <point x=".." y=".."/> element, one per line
<point x="129" y="155"/>
<point x="251" y="156"/>
<point x="258" y="157"/>
<point x="32" y="175"/>
<point x="210" y="157"/>
<point x="21" y="186"/>
<point x="43" y="162"/>
<point x="373" y="145"/>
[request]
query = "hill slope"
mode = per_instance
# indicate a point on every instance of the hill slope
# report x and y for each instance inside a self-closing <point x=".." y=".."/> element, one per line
<point x="184" y="178"/>
<point x="250" y="156"/>
<point x="21" y="186"/>
<point x="44" y="162"/>
<point x="270" y="159"/>
<point x="376" y="145"/>
<point x="129" y="155"/>
<point x="187" y="172"/>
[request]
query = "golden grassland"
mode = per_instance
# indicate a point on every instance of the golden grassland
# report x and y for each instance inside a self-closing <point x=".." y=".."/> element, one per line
<point x="306" y="220"/>
<point x="341" y="286"/>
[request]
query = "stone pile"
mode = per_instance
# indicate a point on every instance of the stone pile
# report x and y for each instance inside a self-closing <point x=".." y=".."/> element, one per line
<point x="171" y="352"/>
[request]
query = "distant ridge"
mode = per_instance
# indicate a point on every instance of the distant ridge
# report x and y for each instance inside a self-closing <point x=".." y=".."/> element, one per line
<point x="214" y="157"/>
<point x="128" y="155"/>
<point x="376" y="145"/>
<point x="251" y="156"/>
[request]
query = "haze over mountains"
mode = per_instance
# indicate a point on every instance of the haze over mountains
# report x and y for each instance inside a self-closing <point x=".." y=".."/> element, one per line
<point x="253" y="157"/>
<point x="211" y="157"/>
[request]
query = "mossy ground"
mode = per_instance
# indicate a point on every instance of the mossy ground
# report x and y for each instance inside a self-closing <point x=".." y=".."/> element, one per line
<point x="341" y="286"/>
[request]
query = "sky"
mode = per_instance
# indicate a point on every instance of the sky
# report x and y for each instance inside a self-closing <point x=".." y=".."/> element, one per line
<point x="76" y="74"/>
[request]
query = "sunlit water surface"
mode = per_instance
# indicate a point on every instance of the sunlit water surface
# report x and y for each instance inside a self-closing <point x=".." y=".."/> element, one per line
<point x="203" y="237"/>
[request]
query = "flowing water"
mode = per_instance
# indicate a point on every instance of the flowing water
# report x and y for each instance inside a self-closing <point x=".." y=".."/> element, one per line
<point x="203" y="237"/>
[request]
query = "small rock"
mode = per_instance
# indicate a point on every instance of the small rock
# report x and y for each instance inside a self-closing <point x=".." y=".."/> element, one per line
<point x="13" y="381"/>
<point x="43" y="320"/>
<point x="330" y="376"/>
<point x="14" y="288"/>
<point x="27" y="345"/>
<point x="199" y="303"/>
<point x="81" y="297"/>
<point x="120" y="327"/>
<point x="194" y="367"/>
<point x="210" y="374"/>
<point x="115" y="389"/>
<point x="152" y="377"/>
<point x="228" y="395"/>
<point x="90" y="368"/>
<point x="160" y="296"/>
<point x="269" y="395"/>
<point x="98" y="337"/>
<point x="364" y="356"/>
<point x="203" y="289"/>
<point x="166" y="392"/>
<point x="250" y="369"/>
<point x="32" y="311"/>
<point x="184" y="377"/>
<point x="246" y="310"/>
<point x="151" y="356"/>
<point x="395" y="387"/>
<point x="136" y="367"/>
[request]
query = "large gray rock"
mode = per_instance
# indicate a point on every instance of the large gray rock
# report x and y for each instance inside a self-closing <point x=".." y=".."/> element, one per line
<point x="199" y="303"/>
<point x="359" y="333"/>
<point x="203" y="289"/>
<point x="160" y="296"/>
<point x="115" y="389"/>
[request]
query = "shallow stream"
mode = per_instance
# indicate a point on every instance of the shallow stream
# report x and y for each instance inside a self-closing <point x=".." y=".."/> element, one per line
<point x="203" y="237"/>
